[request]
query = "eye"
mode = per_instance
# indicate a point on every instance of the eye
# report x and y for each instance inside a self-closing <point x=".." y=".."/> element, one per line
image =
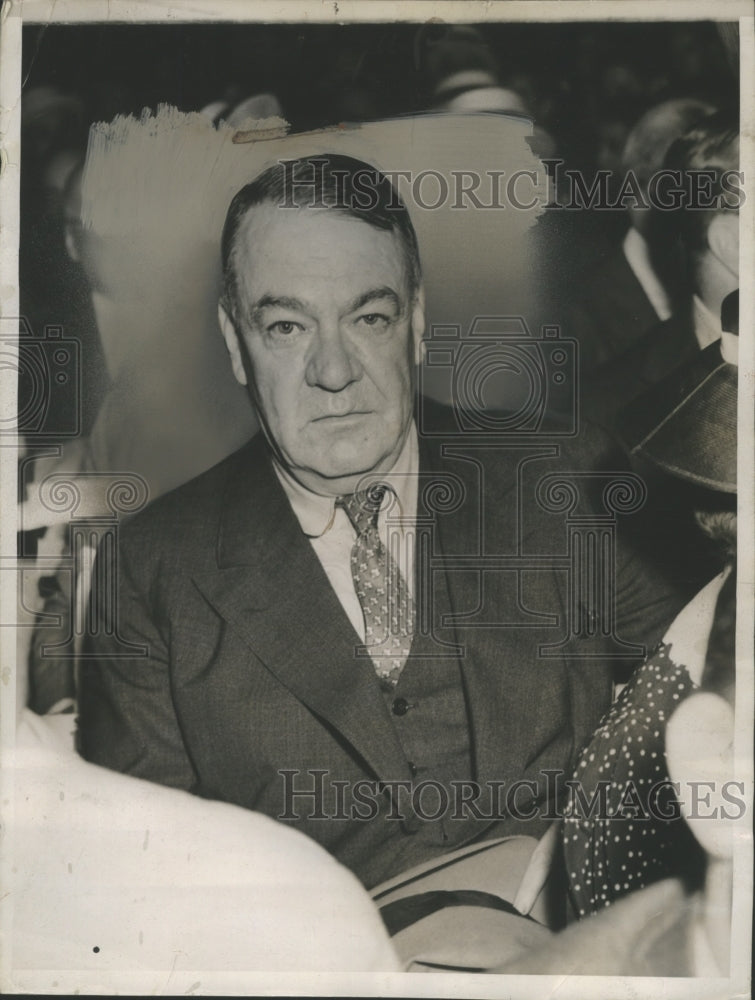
<point x="284" y="327"/>
<point x="374" y="319"/>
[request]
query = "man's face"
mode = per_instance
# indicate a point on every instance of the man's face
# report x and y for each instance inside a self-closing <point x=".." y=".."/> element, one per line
<point x="330" y="329"/>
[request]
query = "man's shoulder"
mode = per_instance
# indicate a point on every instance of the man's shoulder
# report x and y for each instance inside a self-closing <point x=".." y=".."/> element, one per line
<point x="559" y="444"/>
<point x="190" y="510"/>
<point x="657" y="353"/>
<point x="607" y="309"/>
<point x="434" y="418"/>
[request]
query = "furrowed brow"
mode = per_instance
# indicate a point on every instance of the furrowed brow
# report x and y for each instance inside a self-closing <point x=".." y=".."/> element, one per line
<point x="279" y="302"/>
<point x="383" y="292"/>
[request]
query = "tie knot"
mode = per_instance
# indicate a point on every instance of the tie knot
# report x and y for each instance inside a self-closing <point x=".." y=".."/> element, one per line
<point x="362" y="508"/>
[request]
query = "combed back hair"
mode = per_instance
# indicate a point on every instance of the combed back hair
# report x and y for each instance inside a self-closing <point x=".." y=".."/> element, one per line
<point x="326" y="182"/>
<point x="649" y="141"/>
<point x="713" y="146"/>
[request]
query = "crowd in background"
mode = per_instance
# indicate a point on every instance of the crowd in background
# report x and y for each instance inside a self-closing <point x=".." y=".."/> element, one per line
<point x="584" y="85"/>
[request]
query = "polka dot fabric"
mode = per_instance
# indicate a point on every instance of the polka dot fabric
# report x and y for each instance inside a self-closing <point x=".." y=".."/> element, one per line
<point x="626" y="843"/>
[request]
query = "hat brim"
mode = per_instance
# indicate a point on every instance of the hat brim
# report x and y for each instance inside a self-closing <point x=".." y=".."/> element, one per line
<point x="687" y="423"/>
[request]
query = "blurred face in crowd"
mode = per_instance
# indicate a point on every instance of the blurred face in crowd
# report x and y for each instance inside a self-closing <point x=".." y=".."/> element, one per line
<point x="326" y="338"/>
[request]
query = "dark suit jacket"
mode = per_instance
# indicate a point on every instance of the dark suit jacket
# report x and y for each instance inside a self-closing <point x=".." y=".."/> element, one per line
<point x="612" y="386"/>
<point x="665" y="531"/>
<point x="609" y="311"/>
<point x="251" y="670"/>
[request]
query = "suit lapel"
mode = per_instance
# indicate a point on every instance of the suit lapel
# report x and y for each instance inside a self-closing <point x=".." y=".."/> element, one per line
<point x="271" y="588"/>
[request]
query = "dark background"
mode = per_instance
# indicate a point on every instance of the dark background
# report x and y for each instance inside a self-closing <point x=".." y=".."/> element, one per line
<point x="586" y="83"/>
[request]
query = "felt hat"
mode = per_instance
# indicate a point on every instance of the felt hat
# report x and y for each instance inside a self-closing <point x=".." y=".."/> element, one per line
<point x="687" y="423"/>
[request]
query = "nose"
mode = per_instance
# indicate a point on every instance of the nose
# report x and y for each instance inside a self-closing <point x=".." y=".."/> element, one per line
<point x="332" y="364"/>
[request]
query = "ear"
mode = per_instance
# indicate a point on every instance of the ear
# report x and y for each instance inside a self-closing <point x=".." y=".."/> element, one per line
<point x="418" y="325"/>
<point x="723" y="239"/>
<point x="231" y="337"/>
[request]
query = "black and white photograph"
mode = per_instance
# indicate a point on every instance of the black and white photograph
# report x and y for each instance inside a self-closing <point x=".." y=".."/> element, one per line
<point x="376" y="455"/>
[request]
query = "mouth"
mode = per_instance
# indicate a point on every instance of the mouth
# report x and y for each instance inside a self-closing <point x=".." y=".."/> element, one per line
<point x="340" y="416"/>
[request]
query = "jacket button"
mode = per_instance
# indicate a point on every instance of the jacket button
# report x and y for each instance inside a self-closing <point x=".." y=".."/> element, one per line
<point x="400" y="706"/>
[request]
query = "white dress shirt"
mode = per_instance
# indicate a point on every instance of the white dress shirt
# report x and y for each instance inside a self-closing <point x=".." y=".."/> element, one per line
<point x="637" y="253"/>
<point x="332" y="535"/>
<point x="706" y="324"/>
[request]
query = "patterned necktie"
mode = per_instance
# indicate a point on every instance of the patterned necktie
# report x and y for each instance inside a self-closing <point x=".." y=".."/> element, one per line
<point x="387" y="605"/>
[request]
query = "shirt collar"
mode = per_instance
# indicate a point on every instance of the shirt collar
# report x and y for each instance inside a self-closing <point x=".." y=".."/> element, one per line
<point x="637" y="253"/>
<point x="315" y="512"/>
<point x="706" y="324"/>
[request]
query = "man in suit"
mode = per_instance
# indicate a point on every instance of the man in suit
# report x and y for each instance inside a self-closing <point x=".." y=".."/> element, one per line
<point x="364" y="622"/>
<point x="701" y="164"/>
<point x="706" y="160"/>
<point x="632" y="288"/>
